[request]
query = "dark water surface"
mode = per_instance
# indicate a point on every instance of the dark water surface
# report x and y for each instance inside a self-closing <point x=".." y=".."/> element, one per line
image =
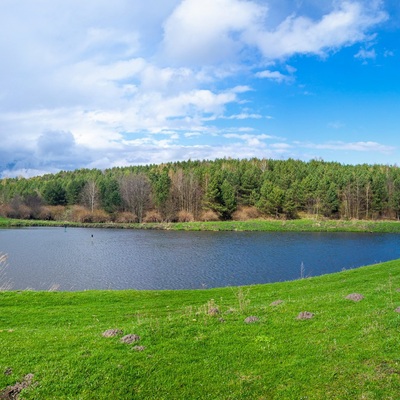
<point x="73" y="259"/>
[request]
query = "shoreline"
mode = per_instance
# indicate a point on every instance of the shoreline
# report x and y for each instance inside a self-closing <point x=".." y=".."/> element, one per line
<point x="296" y="225"/>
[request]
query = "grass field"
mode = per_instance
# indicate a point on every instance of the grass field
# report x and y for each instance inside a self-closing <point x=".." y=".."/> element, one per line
<point x="196" y="345"/>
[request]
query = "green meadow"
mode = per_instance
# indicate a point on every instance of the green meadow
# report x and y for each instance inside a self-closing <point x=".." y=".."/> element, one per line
<point x="197" y="345"/>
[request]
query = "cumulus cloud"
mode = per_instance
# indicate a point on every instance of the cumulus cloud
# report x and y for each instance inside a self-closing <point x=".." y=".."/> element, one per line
<point x="95" y="83"/>
<point x="347" y="24"/>
<point x="227" y="34"/>
<point x="207" y="31"/>
<point x="273" y="75"/>
<point x="55" y="143"/>
<point x="251" y="140"/>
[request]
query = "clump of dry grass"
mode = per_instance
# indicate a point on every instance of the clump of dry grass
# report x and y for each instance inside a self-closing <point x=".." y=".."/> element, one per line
<point x="243" y="299"/>
<point x="53" y="213"/>
<point x="153" y="216"/>
<point x="83" y="215"/>
<point x="185" y="216"/>
<point x="208" y="216"/>
<point x="246" y="213"/>
<point x="79" y="214"/>
<point x="5" y="283"/>
<point x="54" y="287"/>
<point x="210" y="308"/>
<point x="5" y="210"/>
<point x="126" y="217"/>
<point x="100" y="216"/>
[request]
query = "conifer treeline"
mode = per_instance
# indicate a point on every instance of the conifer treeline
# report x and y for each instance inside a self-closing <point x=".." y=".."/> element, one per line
<point x="207" y="190"/>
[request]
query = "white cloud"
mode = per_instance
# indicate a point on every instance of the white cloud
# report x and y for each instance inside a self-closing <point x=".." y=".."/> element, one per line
<point x="345" y="25"/>
<point x="192" y="134"/>
<point x="241" y="89"/>
<point x="368" y="146"/>
<point x="281" y="146"/>
<point x="206" y="31"/>
<point x="243" y="116"/>
<point x="364" y="54"/>
<point x="250" y="139"/>
<point x="99" y="80"/>
<point x="228" y="34"/>
<point x="273" y="75"/>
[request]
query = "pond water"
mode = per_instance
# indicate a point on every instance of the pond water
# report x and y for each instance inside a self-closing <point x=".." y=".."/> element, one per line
<point x="78" y="258"/>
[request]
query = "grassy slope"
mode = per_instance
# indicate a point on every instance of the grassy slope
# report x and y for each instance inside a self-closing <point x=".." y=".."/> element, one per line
<point x="347" y="351"/>
<point x="252" y="225"/>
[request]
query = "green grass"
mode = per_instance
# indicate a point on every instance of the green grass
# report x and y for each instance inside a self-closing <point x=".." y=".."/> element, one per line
<point x="297" y="225"/>
<point x="347" y="351"/>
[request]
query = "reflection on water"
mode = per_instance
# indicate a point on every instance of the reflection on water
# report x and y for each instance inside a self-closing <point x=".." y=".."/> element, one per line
<point x="80" y="258"/>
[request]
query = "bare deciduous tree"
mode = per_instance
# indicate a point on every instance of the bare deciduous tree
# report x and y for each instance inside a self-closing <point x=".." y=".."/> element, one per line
<point x="90" y="195"/>
<point x="135" y="193"/>
<point x="186" y="192"/>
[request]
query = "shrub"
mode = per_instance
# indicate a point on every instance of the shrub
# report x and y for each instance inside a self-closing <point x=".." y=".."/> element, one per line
<point x="45" y="214"/>
<point x="246" y="213"/>
<point x="5" y="210"/>
<point x="56" y="213"/>
<point x="25" y="212"/>
<point x="153" y="216"/>
<point x="209" y="215"/>
<point x="185" y="216"/>
<point x="100" y="216"/>
<point x="126" y="217"/>
<point x="80" y="214"/>
<point x="20" y="212"/>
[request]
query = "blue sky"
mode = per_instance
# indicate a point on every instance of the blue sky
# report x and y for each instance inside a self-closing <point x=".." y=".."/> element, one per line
<point x="98" y="84"/>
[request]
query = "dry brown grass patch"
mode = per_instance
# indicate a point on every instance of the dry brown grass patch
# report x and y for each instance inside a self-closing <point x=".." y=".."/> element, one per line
<point x="185" y="216"/>
<point x="152" y="216"/>
<point x="126" y="217"/>
<point x="246" y="213"/>
<point x="208" y="216"/>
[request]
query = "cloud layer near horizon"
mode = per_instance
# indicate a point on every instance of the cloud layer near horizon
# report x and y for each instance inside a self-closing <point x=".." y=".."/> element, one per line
<point x="100" y="84"/>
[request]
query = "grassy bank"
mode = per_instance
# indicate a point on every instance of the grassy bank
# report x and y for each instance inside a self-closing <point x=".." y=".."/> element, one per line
<point x="297" y="225"/>
<point x="348" y="350"/>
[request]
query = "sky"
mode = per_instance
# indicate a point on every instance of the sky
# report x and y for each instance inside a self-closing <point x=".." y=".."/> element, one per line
<point x="101" y="84"/>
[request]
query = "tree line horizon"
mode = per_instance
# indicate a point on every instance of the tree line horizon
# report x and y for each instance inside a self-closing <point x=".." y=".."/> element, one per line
<point x="221" y="189"/>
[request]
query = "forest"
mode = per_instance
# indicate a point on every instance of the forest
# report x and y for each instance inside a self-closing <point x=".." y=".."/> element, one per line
<point x="222" y="189"/>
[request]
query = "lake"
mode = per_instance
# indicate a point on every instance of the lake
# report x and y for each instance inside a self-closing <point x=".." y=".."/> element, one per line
<point x="74" y="259"/>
